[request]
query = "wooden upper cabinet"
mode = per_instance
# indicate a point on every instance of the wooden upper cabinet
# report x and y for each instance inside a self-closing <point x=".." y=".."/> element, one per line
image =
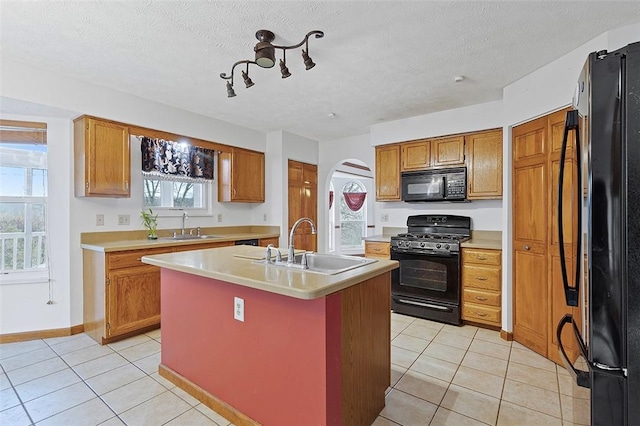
<point x="102" y="158"/>
<point x="416" y="155"/>
<point x="388" y="173"/>
<point x="241" y="176"/>
<point x="447" y="151"/>
<point x="484" y="165"/>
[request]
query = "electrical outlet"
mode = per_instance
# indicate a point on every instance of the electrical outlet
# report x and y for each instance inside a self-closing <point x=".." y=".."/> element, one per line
<point x="123" y="219"/>
<point x="219" y="217"/>
<point x="265" y="217"/>
<point x="238" y="309"/>
<point x="99" y="220"/>
<point x="384" y="218"/>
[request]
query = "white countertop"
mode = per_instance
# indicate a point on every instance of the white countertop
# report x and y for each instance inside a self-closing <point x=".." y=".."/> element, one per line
<point x="235" y="264"/>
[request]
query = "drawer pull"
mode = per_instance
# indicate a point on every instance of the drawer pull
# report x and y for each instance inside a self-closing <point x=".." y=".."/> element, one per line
<point x="481" y="314"/>
<point x="481" y="278"/>
<point x="481" y="258"/>
<point x="481" y="298"/>
<point x="139" y="259"/>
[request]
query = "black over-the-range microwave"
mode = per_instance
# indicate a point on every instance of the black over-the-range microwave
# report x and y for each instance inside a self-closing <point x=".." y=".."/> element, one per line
<point x="435" y="185"/>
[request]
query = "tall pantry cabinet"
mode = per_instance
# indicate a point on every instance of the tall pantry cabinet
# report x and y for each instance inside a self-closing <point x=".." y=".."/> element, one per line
<point x="303" y="202"/>
<point x="538" y="295"/>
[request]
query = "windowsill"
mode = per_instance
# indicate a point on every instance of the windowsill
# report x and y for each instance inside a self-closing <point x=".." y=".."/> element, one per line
<point x="24" y="277"/>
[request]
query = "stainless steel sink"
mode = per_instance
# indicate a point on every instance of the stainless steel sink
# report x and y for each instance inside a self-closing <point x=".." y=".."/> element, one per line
<point x="190" y="237"/>
<point x="327" y="264"/>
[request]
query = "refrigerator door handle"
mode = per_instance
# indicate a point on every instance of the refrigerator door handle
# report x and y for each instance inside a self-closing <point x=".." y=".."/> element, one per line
<point x="571" y="294"/>
<point x="579" y="376"/>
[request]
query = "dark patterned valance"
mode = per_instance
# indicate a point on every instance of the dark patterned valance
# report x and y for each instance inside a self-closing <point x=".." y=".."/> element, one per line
<point x="173" y="160"/>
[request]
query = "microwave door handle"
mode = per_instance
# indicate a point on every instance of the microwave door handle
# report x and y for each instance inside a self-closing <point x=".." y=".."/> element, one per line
<point x="571" y="294"/>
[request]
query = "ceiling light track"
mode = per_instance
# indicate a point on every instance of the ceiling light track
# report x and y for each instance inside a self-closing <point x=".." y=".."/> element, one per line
<point x="265" y="57"/>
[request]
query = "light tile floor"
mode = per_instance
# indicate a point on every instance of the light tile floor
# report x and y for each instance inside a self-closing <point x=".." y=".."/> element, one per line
<point x="441" y="375"/>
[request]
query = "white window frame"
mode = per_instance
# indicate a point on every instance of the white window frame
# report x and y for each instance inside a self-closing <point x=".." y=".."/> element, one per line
<point x="167" y="194"/>
<point x="353" y="249"/>
<point x="28" y="161"/>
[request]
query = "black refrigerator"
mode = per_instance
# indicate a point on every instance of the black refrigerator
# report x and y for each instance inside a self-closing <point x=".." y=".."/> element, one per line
<point x="606" y="123"/>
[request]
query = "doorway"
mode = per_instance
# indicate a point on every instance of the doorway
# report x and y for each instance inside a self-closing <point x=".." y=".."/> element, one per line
<point x="350" y="217"/>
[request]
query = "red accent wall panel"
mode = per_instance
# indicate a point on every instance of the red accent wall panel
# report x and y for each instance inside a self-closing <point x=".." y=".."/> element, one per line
<point x="286" y="353"/>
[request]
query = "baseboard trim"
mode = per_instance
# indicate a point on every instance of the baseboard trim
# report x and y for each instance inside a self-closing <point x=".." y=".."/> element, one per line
<point x="216" y="404"/>
<point x="506" y="335"/>
<point x="41" y="334"/>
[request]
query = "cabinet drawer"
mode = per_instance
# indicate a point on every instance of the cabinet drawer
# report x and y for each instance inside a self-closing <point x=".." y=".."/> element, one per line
<point x="484" y="277"/>
<point x="473" y="312"/>
<point x="202" y="246"/>
<point x="480" y="297"/>
<point x="483" y="257"/>
<point x="377" y="249"/>
<point x="128" y="259"/>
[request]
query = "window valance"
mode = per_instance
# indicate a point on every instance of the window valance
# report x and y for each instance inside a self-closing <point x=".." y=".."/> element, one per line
<point x="163" y="159"/>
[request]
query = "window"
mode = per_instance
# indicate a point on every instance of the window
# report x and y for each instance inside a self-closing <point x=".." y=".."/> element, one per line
<point x="353" y="216"/>
<point x="176" y="176"/>
<point x="174" y="194"/>
<point x="23" y="198"/>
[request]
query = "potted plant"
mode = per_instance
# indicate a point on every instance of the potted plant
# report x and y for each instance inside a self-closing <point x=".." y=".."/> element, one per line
<point x="150" y="222"/>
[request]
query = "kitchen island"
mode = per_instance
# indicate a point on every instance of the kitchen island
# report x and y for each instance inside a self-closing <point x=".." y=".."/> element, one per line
<point x="310" y="349"/>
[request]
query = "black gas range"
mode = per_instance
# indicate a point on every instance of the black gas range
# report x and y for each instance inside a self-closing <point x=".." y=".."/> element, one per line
<point x="427" y="284"/>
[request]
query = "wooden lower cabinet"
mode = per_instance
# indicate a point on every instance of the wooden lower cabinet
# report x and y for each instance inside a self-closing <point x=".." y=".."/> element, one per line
<point x="121" y="294"/>
<point x="377" y="249"/>
<point x="263" y="242"/>
<point x="482" y="286"/>
<point x="133" y="300"/>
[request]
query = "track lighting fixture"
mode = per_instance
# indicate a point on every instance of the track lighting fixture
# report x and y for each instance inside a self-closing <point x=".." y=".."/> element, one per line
<point x="230" y="92"/>
<point x="265" y="57"/>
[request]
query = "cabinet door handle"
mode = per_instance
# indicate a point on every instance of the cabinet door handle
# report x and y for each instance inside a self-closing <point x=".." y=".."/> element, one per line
<point x="527" y="247"/>
<point x="481" y="278"/>
<point x="139" y="259"/>
<point x="481" y="314"/>
<point x="481" y="298"/>
<point x="126" y="185"/>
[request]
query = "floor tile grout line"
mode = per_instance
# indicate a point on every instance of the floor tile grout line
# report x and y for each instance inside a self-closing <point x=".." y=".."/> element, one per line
<point x="86" y="384"/>
<point x="17" y="396"/>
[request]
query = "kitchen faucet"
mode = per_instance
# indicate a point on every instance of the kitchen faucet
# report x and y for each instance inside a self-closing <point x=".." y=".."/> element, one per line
<point x="291" y="255"/>
<point x="184" y="218"/>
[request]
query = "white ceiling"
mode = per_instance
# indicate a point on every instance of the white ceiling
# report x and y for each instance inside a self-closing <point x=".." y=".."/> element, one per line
<point x="378" y="61"/>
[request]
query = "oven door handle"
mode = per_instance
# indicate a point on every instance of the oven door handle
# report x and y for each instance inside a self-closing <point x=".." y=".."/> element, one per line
<point x="425" y="305"/>
<point x="423" y="252"/>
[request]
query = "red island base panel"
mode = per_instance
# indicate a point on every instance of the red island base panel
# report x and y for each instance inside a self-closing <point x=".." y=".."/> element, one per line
<point x="324" y="361"/>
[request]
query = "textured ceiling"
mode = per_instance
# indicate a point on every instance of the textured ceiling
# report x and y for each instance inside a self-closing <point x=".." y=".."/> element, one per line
<point x="378" y="61"/>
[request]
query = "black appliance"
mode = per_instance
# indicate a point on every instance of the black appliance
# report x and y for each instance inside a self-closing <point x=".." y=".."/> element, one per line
<point x="427" y="283"/>
<point x="435" y="185"/>
<point x="606" y="122"/>
<point x="252" y="242"/>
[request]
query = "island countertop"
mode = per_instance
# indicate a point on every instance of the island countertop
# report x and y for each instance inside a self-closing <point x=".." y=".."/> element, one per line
<point x="235" y="264"/>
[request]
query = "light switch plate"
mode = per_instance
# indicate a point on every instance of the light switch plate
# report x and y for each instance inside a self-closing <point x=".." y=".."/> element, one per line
<point x="99" y="220"/>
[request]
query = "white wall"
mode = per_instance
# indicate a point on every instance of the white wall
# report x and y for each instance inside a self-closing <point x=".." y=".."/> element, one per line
<point x="77" y="215"/>
<point x="24" y="306"/>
